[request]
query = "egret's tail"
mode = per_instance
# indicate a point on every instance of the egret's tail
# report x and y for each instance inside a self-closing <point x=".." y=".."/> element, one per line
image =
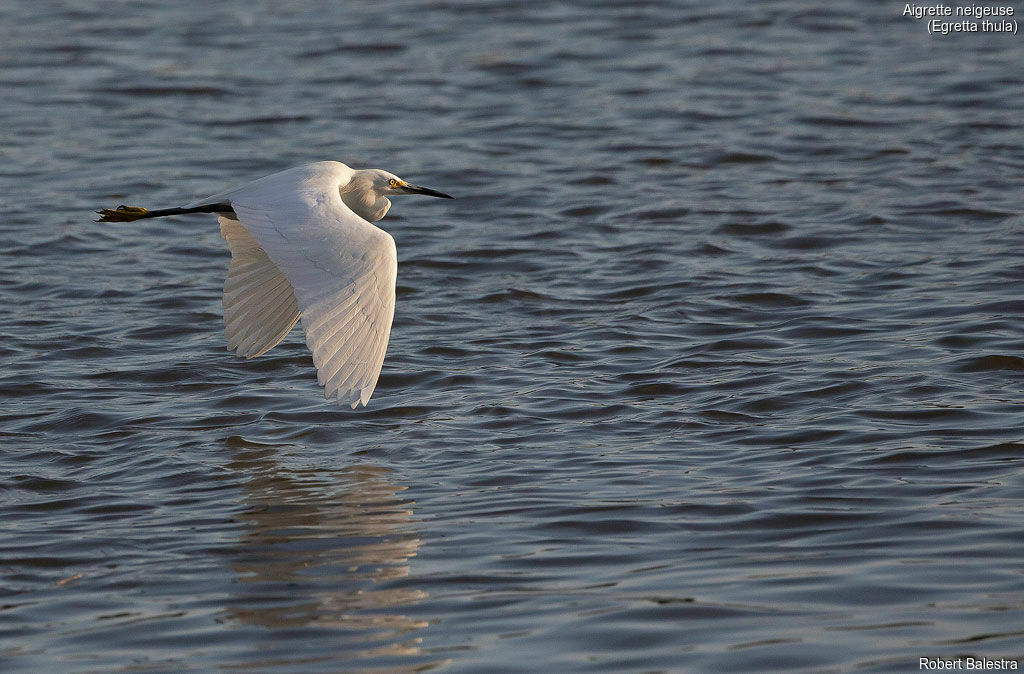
<point x="132" y="213"/>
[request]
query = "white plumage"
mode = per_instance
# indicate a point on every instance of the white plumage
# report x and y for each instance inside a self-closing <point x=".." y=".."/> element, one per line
<point x="259" y="304"/>
<point x="302" y="245"/>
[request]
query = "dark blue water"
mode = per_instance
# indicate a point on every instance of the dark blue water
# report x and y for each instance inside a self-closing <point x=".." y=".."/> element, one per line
<point x="715" y="364"/>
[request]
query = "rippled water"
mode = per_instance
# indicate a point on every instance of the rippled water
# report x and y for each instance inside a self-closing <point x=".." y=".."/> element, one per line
<point x="715" y="364"/>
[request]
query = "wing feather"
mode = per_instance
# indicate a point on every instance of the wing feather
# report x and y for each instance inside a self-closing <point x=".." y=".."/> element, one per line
<point x="340" y="268"/>
<point x="259" y="305"/>
<point x="262" y="298"/>
<point x="336" y="340"/>
<point x="353" y="380"/>
<point x="266" y="282"/>
<point x="282" y="313"/>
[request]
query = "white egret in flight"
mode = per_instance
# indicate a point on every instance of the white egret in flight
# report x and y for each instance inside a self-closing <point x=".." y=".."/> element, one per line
<point x="302" y="246"/>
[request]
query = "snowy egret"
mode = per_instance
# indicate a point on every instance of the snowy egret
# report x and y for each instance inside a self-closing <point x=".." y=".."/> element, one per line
<point x="302" y="246"/>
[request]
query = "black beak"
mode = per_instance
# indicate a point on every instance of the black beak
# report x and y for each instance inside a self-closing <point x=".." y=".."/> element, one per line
<point x="416" y="189"/>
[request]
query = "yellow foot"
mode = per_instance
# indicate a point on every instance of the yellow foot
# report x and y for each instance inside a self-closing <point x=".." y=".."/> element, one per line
<point x="121" y="214"/>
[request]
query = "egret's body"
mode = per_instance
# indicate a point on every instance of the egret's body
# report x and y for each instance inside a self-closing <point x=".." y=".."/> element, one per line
<point x="303" y="246"/>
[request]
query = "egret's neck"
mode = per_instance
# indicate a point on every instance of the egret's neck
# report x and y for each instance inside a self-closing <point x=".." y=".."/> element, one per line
<point x="364" y="201"/>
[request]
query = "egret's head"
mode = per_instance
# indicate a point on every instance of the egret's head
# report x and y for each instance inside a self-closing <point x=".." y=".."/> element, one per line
<point x="388" y="184"/>
<point x="368" y="190"/>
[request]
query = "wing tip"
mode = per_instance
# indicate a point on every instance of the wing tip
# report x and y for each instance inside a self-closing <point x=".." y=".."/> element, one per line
<point x="352" y="397"/>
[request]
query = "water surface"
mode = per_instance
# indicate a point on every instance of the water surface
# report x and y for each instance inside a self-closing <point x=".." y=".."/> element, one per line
<point x="714" y="364"/>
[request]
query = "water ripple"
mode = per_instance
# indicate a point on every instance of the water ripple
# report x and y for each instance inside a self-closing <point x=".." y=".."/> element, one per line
<point x="712" y="365"/>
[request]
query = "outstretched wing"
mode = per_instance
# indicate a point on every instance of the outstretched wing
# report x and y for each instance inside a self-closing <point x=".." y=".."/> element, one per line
<point x="259" y="303"/>
<point x="341" y="269"/>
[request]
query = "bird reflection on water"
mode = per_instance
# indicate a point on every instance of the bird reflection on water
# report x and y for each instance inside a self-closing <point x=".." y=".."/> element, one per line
<point x="324" y="549"/>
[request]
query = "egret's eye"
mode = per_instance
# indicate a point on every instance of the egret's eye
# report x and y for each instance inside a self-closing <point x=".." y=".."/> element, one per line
<point x="392" y="182"/>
